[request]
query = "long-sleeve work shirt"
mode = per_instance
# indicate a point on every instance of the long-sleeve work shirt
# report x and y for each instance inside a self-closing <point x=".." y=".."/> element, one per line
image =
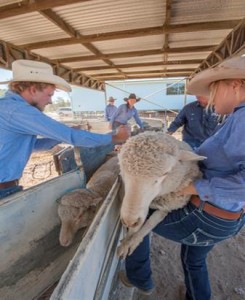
<point x="223" y="182"/>
<point x="123" y="114"/>
<point x="198" y="123"/>
<point x="21" y="123"/>
<point x="109" y="111"/>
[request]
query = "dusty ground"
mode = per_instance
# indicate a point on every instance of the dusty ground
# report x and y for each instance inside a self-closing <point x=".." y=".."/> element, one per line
<point x="40" y="168"/>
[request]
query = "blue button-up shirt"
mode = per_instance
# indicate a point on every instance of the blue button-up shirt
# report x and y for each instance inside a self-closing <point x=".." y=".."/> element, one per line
<point x="199" y="123"/>
<point x="109" y="111"/>
<point x="123" y="114"/>
<point x="223" y="182"/>
<point x="20" y="123"/>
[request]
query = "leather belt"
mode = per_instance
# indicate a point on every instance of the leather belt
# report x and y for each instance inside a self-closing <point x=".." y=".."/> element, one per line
<point x="8" y="184"/>
<point x="216" y="211"/>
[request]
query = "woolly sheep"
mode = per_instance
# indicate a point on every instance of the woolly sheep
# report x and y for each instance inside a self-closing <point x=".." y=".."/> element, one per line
<point x="154" y="167"/>
<point x="77" y="208"/>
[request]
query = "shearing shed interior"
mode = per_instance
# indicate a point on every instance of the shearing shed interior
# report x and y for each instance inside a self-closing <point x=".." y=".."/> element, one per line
<point x="89" y="42"/>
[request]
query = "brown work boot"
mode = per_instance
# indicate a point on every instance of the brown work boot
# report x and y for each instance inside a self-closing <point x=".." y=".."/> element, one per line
<point x="125" y="281"/>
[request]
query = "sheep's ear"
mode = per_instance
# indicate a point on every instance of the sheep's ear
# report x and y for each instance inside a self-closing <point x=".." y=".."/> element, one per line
<point x="189" y="155"/>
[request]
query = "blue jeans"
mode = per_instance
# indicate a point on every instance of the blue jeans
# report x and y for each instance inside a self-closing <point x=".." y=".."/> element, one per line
<point x="198" y="232"/>
<point x="194" y="144"/>
<point x="9" y="191"/>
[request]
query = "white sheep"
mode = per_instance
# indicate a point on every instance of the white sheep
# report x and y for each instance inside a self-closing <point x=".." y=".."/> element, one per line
<point x="154" y="167"/>
<point x="77" y="208"/>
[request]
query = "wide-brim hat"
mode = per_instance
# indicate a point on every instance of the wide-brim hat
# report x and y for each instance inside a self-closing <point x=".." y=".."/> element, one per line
<point x="111" y="99"/>
<point x="36" y="71"/>
<point x="233" y="68"/>
<point x="132" y="96"/>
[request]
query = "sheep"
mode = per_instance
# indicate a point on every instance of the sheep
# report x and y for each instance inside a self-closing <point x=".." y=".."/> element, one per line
<point x="77" y="208"/>
<point x="154" y="166"/>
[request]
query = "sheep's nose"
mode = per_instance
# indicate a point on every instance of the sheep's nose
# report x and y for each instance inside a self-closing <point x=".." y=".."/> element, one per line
<point x="131" y="223"/>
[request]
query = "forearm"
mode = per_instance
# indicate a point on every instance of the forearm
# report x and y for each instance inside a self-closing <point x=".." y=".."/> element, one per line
<point x="44" y="144"/>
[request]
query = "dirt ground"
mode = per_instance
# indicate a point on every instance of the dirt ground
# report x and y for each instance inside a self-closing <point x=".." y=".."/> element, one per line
<point x="40" y="168"/>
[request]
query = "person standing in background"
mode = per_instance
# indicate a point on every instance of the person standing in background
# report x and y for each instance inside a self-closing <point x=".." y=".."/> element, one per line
<point x="110" y="108"/>
<point x="198" y="121"/>
<point x="125" y="112"/>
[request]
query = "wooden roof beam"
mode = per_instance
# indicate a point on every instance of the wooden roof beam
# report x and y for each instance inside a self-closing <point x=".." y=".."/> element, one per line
<point x="145" y="72"/>
<point x="10" y="53"/>
<point x="54" y="18"/>
<point x="230" y="46"/>
<point x="149" y="64"/>
<point x="137" y="53"/>
<point x="182" y="28"/>
<point x="121" y="77"/>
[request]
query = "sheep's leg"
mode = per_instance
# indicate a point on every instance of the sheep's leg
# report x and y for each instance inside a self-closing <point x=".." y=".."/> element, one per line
<point x="131" y="241"/>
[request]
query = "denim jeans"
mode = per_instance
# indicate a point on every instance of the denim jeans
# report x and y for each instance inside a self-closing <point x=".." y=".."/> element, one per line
<point x="198" y="232"/>
<point x="194" y="144"/>
<point x="9" y="191"/>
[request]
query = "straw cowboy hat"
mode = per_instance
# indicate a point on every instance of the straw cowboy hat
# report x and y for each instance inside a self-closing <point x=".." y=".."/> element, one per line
<point x="233" y="68"/>
<point x="36" y="71"/>
<point x="132" y="96"/>
<point x="111" y="99"/>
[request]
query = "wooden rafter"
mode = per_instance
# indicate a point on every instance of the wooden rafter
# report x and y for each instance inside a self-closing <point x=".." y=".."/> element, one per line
<point x="10" y="53"/>
<point x="149" y="64"/>
<point x="230" y="46"/>
<point x="134" y="33"/>
<point x="54" y="18"/>
<point x="137" y="53"/>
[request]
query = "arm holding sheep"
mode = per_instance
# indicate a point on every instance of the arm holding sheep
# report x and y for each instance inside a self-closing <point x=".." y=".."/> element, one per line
<point x="158" y="172"/>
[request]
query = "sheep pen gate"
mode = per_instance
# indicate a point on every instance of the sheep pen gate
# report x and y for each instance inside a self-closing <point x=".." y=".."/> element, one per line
<point x="32" y="259"/>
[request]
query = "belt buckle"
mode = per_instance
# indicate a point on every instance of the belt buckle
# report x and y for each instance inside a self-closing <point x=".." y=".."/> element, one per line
<point x="202" y="206"/>
<point x="242" y="213"/>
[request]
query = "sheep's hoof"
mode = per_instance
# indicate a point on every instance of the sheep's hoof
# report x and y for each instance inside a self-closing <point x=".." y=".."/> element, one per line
<point x="127" y="246"/>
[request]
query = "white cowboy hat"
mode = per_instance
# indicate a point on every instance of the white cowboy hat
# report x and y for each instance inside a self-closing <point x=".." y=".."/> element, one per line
<point x="233" y="68"/>
<point x="36" y="71"/>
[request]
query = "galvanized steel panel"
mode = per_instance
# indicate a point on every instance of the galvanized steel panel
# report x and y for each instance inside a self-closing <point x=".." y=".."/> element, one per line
<point x="63" y="51"/>
<point x="195" y="11"/>
<point x="100" y="16"/>
<point x="131" y="44"/>
<point x="29" y="28"/>
<point x="201" y="38"/>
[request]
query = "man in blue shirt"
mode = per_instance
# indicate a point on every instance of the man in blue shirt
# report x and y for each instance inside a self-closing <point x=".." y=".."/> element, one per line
<point x="198" y="122"/>
<point x="22" y="120"/>
<point x="110" y="108"/>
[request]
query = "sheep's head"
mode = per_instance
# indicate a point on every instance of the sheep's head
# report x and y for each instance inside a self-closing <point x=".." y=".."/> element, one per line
<point x="76" y="210"/>
<point x="151" y="164"/>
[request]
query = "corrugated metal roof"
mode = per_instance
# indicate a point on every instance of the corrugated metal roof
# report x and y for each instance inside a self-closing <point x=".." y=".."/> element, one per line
<point x="91" y="41"/>
<point x="94" y="17"/>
